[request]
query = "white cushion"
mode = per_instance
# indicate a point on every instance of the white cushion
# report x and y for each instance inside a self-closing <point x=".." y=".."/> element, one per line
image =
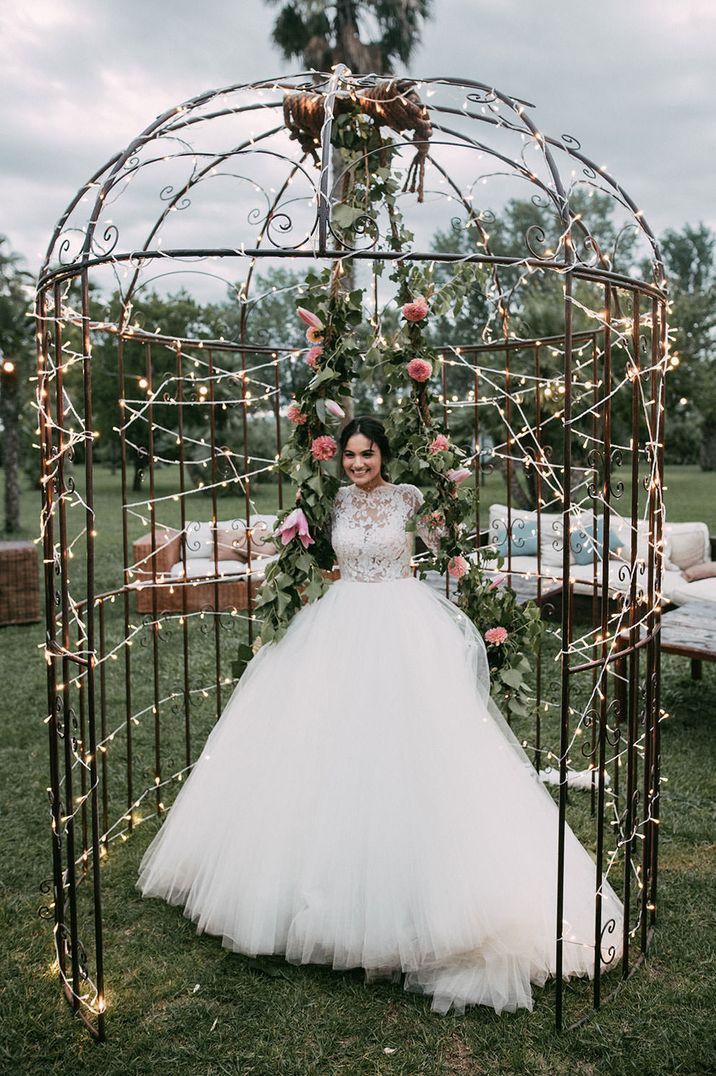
<point x="197" y="566"/>
<point x="230" y="538"/>
<point x="701" y="590"/>
<point x="262" y="526"/>
<point x="204" y="566"/>
<point x="690" y="543"/>
<point x="198" y="540"/>
<point x="550" y="530"/>
<point x="622" y="528"/>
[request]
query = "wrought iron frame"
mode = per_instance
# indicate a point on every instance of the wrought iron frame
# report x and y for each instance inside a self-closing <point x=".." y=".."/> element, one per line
<point x="623" y="732"/>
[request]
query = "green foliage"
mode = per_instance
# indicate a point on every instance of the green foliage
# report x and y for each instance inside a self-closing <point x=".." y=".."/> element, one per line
<point x="18" y="344"/>
<point x="492" y="605"/>
<point x="298" y="572"/>
<point x="689" y="256"/>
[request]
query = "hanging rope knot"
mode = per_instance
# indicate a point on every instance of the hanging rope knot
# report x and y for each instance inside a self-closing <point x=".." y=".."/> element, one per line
<point x="394" y="104"/>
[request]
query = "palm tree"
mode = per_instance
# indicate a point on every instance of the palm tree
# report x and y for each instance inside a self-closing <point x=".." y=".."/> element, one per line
<point x="324" y="35"/>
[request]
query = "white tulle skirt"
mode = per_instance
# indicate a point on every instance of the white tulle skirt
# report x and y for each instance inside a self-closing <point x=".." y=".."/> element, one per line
<point x="359" y="804"/>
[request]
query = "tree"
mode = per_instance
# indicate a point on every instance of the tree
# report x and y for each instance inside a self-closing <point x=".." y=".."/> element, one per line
<point x="690" y="259"/>
<point x="16" y="346"/>
<point x="366" y="35"/>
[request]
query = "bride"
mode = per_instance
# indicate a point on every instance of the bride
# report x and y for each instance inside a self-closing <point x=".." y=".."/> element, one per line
<point x="362" y="803"/>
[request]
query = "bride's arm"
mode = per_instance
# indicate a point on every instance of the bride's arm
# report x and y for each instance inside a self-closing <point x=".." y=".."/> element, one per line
<point x="428" y="526"/>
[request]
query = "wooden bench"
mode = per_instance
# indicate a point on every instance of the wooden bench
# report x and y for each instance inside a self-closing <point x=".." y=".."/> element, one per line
<point x="690" y="630"/>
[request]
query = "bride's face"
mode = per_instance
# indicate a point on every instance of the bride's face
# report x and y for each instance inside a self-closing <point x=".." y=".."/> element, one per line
<point x="361" y="460"/>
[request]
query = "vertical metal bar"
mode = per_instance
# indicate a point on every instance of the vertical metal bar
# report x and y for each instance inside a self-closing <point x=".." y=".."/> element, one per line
<point x="126" y="582"/>
<point x="81" y="741"/>
<point x="633" y="669"/>
<point x="604" y="631"/>
<point x="247" y="480"/>
<point x="508" y="461"/>
<point x="183" y="583"/>
<point x="155" y="596"/>
<point x="478" y="450"/>
<point x="595" y="564"/>
<point x="658" y="318"/>
<point x="566" y="636"/>
<point x="103" y="723"/>
<point x="91" y="647"/>
<point x="323" y="199"/>
<point x="539" y="457"/>
<point x="277" y="417"/>
<point x="68" y="730"/>
<point x="43" y="391"/>
<point x="446" y="423"/>
<point x="215" y="531"/>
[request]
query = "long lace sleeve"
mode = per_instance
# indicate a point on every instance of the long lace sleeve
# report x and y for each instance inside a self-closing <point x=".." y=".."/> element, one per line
<point x="427" y="527"/>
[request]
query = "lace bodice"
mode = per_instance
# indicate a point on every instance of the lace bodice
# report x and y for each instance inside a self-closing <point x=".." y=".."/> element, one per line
<point x="368" y="531"/>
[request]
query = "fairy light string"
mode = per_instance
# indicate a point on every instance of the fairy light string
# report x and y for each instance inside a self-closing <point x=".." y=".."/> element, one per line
<point x="257" y="389"/>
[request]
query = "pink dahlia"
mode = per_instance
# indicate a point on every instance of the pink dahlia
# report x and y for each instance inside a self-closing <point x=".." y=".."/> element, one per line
<point x="314" y="336"/>
<point x="323" y="448"/>
<point x="496" y="636"/>
<point x="457" y="567"/>
<point x="295" y="414"/>
<point x="459" y="474"/>
<point x="312" y="356"/>
<point x="335" y="409"/>
<point x="439" y="444"/>
<point x="309" y="317"/>
<point x="295" y="524"/>
<point x="419" y="369"/>
<point x="417" y="310"/>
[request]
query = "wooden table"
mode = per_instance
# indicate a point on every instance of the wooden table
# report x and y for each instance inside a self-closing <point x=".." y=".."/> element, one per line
<point x="690" y="630"/>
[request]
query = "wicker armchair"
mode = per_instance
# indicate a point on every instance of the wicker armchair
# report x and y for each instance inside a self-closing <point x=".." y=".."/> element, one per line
<point x="186" y="594"/>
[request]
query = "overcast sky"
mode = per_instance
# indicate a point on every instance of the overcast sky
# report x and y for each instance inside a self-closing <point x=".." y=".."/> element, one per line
<point x="634" y="80"/>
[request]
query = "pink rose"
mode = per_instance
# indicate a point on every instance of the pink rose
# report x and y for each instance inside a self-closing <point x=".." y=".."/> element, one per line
<point x="335" y="409"/>
<point x="295" y="414"/>
<point x="419" y="369"/>
<point x="496" y="636"/>
<point x="323" y="448"/>
<point x="459" y="474"/>
<point x="440" y="444"/>
<point x="314" y="336"/>
<point x="434" y="522"/>
<point x="496" y="582"/>
<point x="313" y="355"/>
<point x="309" y="317"/>
<point x="457" y="567"/>
<point x="294" y="524"/>
<point x="417" y="310"/>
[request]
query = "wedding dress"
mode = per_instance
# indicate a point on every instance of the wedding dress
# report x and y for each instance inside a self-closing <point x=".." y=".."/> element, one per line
<point x="361" y="803"/>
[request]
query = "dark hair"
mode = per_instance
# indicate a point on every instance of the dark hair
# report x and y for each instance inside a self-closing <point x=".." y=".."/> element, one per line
<point x="372" y="428"/>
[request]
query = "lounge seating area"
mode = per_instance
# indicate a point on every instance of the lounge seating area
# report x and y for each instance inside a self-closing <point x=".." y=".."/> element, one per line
<point x="689" y="550"/>
<point x="202" y="567"/>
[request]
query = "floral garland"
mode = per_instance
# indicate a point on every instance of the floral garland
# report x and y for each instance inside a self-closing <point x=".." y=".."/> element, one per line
<point x="426" y="453"/>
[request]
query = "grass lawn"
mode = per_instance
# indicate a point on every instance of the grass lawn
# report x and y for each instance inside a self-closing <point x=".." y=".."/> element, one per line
<point x="180" y="1003"/>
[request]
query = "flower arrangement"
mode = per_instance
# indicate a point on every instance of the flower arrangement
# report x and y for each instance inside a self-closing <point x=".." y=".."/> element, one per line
<point x="424" y="454"/>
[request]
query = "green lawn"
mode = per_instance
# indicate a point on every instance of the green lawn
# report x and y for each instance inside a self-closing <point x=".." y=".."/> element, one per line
<point x="179" y="1003"/>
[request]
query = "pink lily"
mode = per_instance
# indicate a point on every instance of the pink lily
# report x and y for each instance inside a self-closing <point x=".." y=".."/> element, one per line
<point x="335" y="409"/>
<point x="295" y="524"/>
<point x="496" y="582"/>
<point x="309" y="317"/>
<point x="459" y="474"/>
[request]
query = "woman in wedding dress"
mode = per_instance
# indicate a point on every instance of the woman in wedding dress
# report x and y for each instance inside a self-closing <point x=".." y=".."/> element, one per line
<point x="362" y="803"/>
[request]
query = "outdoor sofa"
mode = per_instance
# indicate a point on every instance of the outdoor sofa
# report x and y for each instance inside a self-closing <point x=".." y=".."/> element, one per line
<point x="689" y="568"/>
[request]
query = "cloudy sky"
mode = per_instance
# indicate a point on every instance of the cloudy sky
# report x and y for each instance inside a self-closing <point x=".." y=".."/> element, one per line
<point x="634" y="80"/>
